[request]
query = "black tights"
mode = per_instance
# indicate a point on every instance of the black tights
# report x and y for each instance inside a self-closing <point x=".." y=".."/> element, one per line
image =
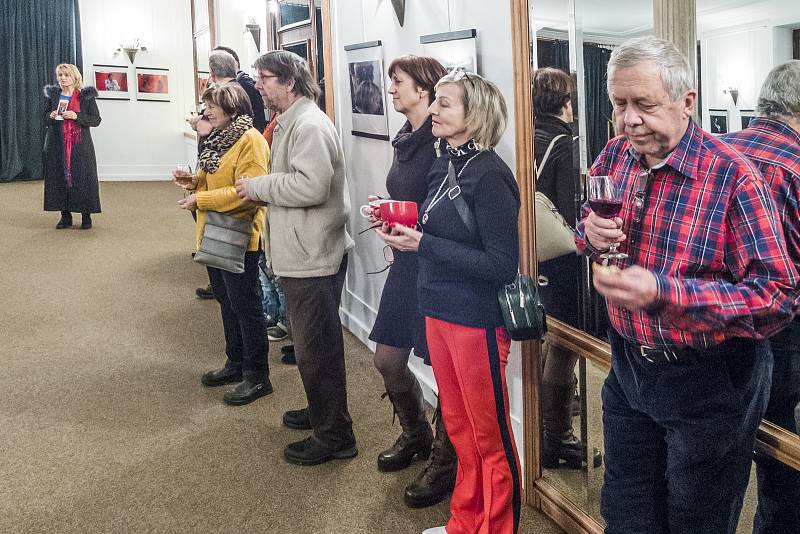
<point x="392" y="363"/>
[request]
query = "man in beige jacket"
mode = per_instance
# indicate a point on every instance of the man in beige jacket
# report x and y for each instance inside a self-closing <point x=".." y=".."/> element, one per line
<point x="307" y="246"/>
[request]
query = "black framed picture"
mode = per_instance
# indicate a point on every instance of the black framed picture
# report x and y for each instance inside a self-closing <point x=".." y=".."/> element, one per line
<point x="718" y="121"/>
<point x="747" y="116"/>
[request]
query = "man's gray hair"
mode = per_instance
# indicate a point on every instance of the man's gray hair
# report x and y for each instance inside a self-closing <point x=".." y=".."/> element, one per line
<point x="780" y="93"/>
<point x="288" y="66"/>
<point x="222" y="64"/>
<point x="676" y="74"/>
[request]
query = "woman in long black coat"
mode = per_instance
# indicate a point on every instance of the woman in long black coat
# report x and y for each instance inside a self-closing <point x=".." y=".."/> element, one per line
<point x="70" y="167"/>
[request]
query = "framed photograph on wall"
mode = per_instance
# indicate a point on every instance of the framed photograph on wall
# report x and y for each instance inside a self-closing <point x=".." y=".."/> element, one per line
<point x="454" y="50"/>
<point x="718" y="119"/>
<point x="367" y="90"/>
<point x="152" y="84"/>
<point x="111" y="82"/>
<point x="747" y="116"/>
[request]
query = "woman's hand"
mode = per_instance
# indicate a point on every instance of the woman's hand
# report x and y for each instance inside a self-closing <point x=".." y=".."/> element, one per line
<point x="400" y="237"/>
<point x="184" y="179"/>
<point x="70" y="115"/>
<point x="53" y="115"/>
<point x="203" y="127"/>
<point x="189" y="203"/>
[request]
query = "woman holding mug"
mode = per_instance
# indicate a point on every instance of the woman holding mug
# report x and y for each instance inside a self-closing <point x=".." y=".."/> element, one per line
<point x="70" y="168"/>
<point x="233" y="149"/>
<point x="461" y="268"/>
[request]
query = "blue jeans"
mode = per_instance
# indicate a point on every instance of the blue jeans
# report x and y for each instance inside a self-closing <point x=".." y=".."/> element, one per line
<point x="778" y="484"/>
<point x="273" y="301"/>
<point x="679" y="437"/>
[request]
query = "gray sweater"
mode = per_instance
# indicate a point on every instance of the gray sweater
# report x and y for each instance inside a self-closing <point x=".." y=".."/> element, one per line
<point x="309" y="203"/>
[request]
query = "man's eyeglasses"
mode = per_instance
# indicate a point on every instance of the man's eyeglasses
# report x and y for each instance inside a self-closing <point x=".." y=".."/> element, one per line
<point x="638" y="197"/>
<point x="460" y="73"/>
<point x="265" y="77"/>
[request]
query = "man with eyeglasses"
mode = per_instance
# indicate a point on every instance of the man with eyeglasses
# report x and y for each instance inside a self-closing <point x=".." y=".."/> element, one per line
<point x="772" y="143"/>
<point x="309" y="205"/>
<point x="707" y="278"/>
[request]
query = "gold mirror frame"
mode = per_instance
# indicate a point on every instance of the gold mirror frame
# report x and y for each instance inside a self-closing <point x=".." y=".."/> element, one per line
<point x="539" y="493"/>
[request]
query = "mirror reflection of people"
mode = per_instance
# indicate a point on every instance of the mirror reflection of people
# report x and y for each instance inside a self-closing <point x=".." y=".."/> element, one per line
<point x="399" y="326"/>
<point x="556" y="178"/>
<point x="70" y="167"/>
<point x="461" y="270"/>
<point x="706" y="281"/>
<point x="233" y="149"/>
<point x="772" y="142"/>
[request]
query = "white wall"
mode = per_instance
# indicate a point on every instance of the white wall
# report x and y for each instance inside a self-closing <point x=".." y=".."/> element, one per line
<point x="232" y="16"/>
<point x="140" y="140"/>
<point x="368" y="160"/>
<point x="741" y="57"/>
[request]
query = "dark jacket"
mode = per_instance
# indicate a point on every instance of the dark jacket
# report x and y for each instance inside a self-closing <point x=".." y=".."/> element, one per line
<point x="84" y="195"/>
<point x="559" y="177"/>
<point x="413" y="157"/>
<point x="249" y="86"/>
<point x="459" y="273"/>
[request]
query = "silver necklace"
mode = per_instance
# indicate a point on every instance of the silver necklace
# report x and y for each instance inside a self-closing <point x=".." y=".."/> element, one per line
<point x="441" y="192"/>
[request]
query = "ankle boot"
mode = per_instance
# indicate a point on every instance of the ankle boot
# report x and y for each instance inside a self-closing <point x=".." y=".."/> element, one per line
<point x="65" y="221"/>
<point x="559" y="443"/>
<point x="86" y="221"/>
<point x="416" y="437"/>
<point x="437" y="479"/>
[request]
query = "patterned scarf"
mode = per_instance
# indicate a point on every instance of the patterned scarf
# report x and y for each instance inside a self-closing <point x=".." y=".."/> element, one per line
<point x="220" y="141"/>
<point x="72" y="134"/>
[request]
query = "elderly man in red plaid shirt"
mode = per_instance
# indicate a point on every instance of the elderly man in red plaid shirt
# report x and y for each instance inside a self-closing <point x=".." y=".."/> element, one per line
<point x="772" y="143"/>
<point x="706" y="281"/>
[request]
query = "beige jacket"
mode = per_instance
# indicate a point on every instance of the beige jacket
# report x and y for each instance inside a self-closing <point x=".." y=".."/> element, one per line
<point x="307" y="194"/>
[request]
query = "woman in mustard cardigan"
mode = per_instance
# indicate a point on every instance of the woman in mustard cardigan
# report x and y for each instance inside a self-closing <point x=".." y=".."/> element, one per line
<point x="232" y="150"/>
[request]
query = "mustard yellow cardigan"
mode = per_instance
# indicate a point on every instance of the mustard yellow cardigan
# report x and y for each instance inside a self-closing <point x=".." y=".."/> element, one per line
<point x="216" y="191"/>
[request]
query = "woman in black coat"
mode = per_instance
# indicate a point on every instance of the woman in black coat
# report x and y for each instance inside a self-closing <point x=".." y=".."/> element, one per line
<point x="70" y="167"/>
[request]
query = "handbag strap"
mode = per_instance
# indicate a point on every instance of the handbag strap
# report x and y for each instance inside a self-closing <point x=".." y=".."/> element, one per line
<point x="454" y="193"/>
<point x="540" y="167"/>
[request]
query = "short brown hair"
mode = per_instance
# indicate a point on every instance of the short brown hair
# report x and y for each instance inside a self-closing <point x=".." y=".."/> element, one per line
<point x="288" y="66"/>
<point x="424" y="70"/>
<point x="230" y="97"/>
<point x="552" y="89"/>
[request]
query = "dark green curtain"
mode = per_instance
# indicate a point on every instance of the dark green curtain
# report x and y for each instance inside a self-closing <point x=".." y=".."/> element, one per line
<point x="35" y="36"/>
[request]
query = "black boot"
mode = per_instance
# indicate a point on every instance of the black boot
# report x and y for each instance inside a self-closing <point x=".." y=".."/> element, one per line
<point x="416" y="438"/>
<point x="558" y="441"/>
<point x="86" y="221"/>
<point x="65" y="222"/>
<point x="436" y="481"/>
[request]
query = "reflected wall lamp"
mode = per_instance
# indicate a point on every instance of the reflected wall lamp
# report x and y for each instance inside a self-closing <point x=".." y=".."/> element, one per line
<point x="734" y="92"/>
<point x="131" y="48"/>
<point x="255" y="31"/>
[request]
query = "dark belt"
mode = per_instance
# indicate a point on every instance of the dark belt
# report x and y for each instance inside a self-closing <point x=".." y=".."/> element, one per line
<point x="667" y="356"/>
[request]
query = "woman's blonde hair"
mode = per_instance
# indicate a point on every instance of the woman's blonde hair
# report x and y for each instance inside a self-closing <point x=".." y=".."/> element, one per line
<point x="485" y="110"/>
<point x="73" y="71"/>
<point x="230" y="97"/>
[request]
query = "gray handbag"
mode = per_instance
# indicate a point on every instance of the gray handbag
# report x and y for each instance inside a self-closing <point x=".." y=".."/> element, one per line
<point x="224" y="243"/>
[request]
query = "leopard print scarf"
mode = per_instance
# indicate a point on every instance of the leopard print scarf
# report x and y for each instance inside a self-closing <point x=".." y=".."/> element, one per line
<point x="220" y="141"/>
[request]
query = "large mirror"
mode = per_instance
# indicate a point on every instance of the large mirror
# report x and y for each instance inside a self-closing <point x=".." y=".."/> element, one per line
<point x="737" y="44"/>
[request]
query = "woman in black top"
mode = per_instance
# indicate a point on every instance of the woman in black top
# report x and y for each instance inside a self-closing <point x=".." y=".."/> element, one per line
<point x="70" y="167"/>
<point x="463" y="262"/>
<point x="399" y="327"/>
<point x="557" y="178"/>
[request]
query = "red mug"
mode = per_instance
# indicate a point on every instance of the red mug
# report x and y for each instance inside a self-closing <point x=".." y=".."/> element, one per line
<point x="399" y="212"/>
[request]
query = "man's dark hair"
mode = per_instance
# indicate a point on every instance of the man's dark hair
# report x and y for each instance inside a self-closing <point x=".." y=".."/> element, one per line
<point x="230" y="51"/>
<point x="552" y="89"/>
<point x="288" y="66"/>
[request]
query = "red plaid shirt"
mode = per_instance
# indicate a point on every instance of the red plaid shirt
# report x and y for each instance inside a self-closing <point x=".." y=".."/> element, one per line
<point x="710" y="234"/>
<point x="774" y="147"/>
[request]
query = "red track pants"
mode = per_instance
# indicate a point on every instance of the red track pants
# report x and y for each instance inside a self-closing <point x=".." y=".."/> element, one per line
<point x="470" y="368"/>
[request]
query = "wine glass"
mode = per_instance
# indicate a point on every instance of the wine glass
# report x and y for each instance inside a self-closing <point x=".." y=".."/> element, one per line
<point x="606" y="202"/>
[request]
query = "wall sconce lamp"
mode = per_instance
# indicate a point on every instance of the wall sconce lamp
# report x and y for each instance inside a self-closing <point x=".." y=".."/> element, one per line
<point x="131" y="48"/>
<point x="255" y="31"/>
<point x="734" y="92"/>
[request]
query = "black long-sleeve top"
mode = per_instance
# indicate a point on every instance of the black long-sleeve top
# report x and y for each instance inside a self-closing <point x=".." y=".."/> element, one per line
<point x="459" y="273"/>
<point x="559" y="176"/>
<point x="413" y="157"/>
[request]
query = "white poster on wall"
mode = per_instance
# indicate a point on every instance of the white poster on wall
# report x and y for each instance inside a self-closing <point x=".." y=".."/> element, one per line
<point x="367" y="90"/>
<point x="454" y="50"/>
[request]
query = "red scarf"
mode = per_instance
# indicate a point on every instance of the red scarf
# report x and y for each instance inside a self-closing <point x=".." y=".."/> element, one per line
<point x="72" y="133"/>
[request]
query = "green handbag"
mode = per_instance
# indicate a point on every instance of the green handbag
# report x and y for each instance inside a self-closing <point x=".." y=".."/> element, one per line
<point x="522" y="308"/>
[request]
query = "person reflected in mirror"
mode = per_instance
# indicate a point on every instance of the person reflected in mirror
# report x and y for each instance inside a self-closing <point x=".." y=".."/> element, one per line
<point x="233" y="149"/>
<point x="706" y="280"/>
<point x="367" y="97"/>
<point x="772" y="142"/>
<point x="467" y="250"/>
<point x="557" y="178"/>
<point x="70" y="166"/>
<point x="399" y="326"/>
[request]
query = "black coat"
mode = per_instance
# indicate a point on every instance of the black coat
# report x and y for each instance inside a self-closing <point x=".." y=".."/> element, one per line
<point x="559" y="177"/>
<point x="84" y="196"/>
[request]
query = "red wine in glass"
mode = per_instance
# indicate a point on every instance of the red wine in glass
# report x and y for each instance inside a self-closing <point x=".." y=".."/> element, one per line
<point x="606" y="202"/>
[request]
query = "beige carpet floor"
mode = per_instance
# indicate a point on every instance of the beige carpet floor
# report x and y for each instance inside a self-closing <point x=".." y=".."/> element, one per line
<point x="104" y="426"/>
